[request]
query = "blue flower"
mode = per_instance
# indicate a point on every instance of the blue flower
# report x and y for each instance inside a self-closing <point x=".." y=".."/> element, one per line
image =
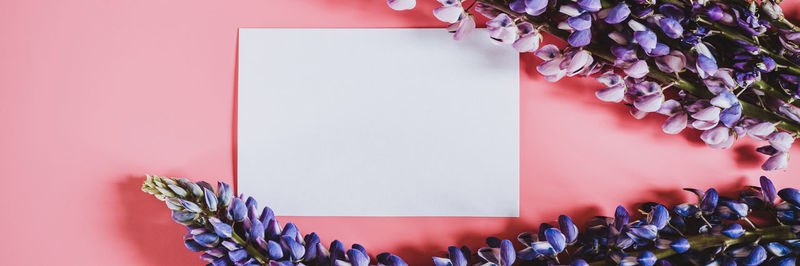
<point x="659" y="216"/>
<point x="767" y="190"/>
<point x="740" y="209"/>
<point x="556" y="239"/>
<point x="568" y="228"/>
<point x="579" y="262"/>
<point x="709" y="201"/>
<point x="238" y="210"/>
<point x="644" y="233"/>
<point x="543" y="248"/>
<point x="194" y="246"/>
<point x="686" y="209"/>
<point x="790" y="195"/>
<point x="647" y="258"/>
<point x="733" y="230"/>
<point x="731" y="115"/>
<point x="457" y="256"/>
<point x="210" y="199"/>
<point x="507" y="253"/>
<point x="681" y="245"/>
<point x="225" y="193"/>
<point x="621" y="217"/>
<point x="756" y="256"/>
<point x="185" y="218"/>
<point x="777" y="249"/>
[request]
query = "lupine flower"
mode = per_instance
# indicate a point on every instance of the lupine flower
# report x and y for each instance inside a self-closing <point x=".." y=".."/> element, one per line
<point x="615" y="90"/>
<point x="231" y="231"/>
<point x="502" y="29"/>
<point x="528" y="40"/>
<point x="463" y="27"/>
<point x="686" y="51"/>
<point x="449" y="14"/>
<point x="618" y="13"/>
<point x="535" y="7"/>
<point x="625" y="240"/>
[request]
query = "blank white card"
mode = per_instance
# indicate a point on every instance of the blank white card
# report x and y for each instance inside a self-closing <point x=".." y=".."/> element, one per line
<point x="378" y="122"/>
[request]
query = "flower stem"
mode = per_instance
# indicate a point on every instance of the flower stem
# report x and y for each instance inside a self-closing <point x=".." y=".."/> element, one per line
<point x="701" y="242"/>
<point x="252" y="251"/>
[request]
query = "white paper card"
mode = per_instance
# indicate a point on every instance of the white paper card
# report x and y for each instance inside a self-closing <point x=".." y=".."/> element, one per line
<point x="378" y="122"/>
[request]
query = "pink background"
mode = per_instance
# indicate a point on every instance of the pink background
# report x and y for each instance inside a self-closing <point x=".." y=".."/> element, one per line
<point x="94" y="94"/>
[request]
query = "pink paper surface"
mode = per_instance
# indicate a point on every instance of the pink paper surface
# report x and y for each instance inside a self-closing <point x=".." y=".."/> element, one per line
<point x="94" y="94"/>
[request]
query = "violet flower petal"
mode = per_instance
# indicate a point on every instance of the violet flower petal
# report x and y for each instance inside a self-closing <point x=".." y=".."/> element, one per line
<point x="790" y="195"/>
<point x="580" y="22"/>
<point x="731" y="115"/>
<point x="590" y="5"/>
<point x="675" y="123"/>
<point x="781" y="141"/>
<point x="618" y="14"/>
<point x="401" y="4"/>
<point x="449" y="14"/>
<point x="580" y="38"/>
<point x="767" y="190"/>
<point x="535" y="7"/>
<point x="671" y="27"/>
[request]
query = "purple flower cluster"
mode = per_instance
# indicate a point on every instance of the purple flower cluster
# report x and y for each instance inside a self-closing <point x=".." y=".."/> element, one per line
<point x="714" y="230"/>
<point x="230" y="230"/>
<point x="720" y="67"/>
<point x="708" y="232"/>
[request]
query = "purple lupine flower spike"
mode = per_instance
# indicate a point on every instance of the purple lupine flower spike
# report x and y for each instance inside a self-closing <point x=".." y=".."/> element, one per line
<point x="630" y="240"/>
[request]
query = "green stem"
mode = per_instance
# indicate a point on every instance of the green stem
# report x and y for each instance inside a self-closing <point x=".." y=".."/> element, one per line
<point x="702" y="242"/>
<point x="250" y="249"/>
<point x="732" y="34"/>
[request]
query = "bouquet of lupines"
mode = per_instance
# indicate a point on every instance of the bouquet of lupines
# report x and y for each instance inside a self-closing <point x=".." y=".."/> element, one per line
<point x="728" y="68"/>
<point x="232" y="231"/>
<point x="753" y="229"/>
